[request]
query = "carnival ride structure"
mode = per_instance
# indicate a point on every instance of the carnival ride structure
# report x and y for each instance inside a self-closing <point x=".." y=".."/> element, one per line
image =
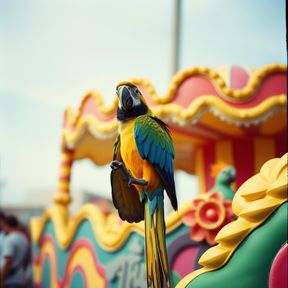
<point x="234" y="115"/>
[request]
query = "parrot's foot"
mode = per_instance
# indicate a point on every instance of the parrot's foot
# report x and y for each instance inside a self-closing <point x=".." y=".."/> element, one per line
<point x="131" y="180"/>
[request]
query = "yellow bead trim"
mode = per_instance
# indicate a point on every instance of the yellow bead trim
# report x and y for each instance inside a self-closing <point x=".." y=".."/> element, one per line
<point x="242" y="94"/>
<point x="178" y="113"/>
<point x="62" y="197"/>
<point x="202" y="102"/>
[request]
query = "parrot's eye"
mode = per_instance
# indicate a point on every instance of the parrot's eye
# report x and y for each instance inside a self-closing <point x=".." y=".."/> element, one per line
<point x="137" y="92"/>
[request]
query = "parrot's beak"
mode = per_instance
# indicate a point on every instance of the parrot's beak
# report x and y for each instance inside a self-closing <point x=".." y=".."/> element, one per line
<point x="125" y="97"/>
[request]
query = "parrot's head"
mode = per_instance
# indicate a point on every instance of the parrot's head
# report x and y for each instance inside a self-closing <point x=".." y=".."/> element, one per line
<point x="226" y="175"/>
<point x="131" y="102"/>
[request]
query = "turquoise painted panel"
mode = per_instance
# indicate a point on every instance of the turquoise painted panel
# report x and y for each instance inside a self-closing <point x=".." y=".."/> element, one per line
<point x="124" y="267"/>
<point x="46" y="274"/>
<point x="77" y="280"/>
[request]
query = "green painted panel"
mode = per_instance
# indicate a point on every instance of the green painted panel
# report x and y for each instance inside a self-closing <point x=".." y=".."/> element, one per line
<point x="249" y="267"/>
<point x="123" y="267"/>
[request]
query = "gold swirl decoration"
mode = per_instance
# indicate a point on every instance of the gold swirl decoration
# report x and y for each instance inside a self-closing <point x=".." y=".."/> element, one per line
<point x="179" y="114"/>
<point x="110" y="232"/>
<point x="240" y="94"/>
<point x="253" y="203"/>
<point x="164" y="107"/>
<point x="99" y="103"/>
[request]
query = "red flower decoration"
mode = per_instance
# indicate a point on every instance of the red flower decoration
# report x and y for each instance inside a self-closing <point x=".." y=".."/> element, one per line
<point x="208" y="215"/>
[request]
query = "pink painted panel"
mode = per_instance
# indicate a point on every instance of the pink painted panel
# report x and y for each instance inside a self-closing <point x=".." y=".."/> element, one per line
<point x="196" y="86"/>
<point x="90" y="108"/>
<point x="274" y="84"/>
<point x="192" y="88"/>
<point x="238" y="77"/>
<point x="183" y="264"/>
<point x="278" y="277"/>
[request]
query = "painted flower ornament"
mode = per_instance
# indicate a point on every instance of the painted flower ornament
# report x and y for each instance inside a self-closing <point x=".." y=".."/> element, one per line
<point x="209" y="213"/>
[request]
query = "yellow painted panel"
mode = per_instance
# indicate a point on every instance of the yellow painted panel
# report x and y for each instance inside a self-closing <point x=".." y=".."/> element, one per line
<point x="214" y="123"/>
<point x="183" y="137"/>
<point x="264" y="150"/>
<point x="98" y="150"/>
<point x="84" y="259"/>
<point x="224" y="152"/>
<point x="274" y="124"/>
<point x="199" y="169"/>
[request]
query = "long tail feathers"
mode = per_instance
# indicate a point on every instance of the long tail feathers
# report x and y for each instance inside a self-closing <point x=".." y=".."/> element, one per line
<point x="148" y="247"/>
<point x="155" y="246"/>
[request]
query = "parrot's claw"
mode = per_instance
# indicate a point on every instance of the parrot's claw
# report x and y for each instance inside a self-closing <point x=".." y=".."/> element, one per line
<point x="136" y="181"/>
<point x="130" y="182"/>
<point x="115" y="165"/>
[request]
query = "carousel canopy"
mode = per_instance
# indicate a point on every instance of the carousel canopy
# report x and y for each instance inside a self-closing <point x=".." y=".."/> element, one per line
<point x="201" y="105"/>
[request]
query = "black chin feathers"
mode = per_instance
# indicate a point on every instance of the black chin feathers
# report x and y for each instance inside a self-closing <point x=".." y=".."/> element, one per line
<point x="125" y="115"/>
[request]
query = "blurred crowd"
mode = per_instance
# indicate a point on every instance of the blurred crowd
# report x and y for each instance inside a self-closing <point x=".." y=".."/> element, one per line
<point x="15" y="253"/>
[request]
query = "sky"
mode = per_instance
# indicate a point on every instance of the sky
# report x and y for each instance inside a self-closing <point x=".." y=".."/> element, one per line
<point x="53" y="52"/>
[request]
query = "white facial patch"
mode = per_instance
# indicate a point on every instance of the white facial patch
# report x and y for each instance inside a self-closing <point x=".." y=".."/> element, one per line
<point x="136" y="101"/>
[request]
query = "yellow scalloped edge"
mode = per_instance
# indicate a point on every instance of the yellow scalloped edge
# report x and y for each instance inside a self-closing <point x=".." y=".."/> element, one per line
<point x="182" y="114"/>
<point x="240" y="94"/>
<point x="90" y="123"/>
<point x="97" y="98"/>
<point x="110" y="236"/>
<point x="252" y="212"/>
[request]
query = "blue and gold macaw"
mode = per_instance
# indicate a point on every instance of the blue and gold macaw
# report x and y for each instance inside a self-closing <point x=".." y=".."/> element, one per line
<point x="142" y="168"/>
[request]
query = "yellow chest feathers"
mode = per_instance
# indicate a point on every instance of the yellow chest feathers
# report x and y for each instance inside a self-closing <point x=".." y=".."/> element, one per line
<point x="128" y="148"/>
<point x="138" y="167"/>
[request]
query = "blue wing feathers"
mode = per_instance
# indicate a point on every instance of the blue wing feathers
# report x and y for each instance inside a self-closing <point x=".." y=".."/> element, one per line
<point x="153" y="154"/>
<point x="167" y="165"/>
<point x="162" y="160"/>
<point x="154" y="144"/>
<point x="157" y="155"/>
<point x="146" y="147"/>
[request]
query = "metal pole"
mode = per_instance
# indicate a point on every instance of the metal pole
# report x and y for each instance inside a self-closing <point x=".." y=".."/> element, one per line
<point x="176" y="36"/>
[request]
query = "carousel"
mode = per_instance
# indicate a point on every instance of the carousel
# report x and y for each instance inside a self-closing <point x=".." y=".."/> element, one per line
<point x="228" y="126"/>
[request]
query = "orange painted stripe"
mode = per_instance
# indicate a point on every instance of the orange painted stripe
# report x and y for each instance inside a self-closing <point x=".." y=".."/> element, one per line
<point x="67" y="156"/>
<point x="264" y="149"/>
<point x="224" y="152"/>
<point x="200" y="169"/>
<point x="209" y="160"/>
<point x="65" y="171"/>
<point x="63" y="185"/>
